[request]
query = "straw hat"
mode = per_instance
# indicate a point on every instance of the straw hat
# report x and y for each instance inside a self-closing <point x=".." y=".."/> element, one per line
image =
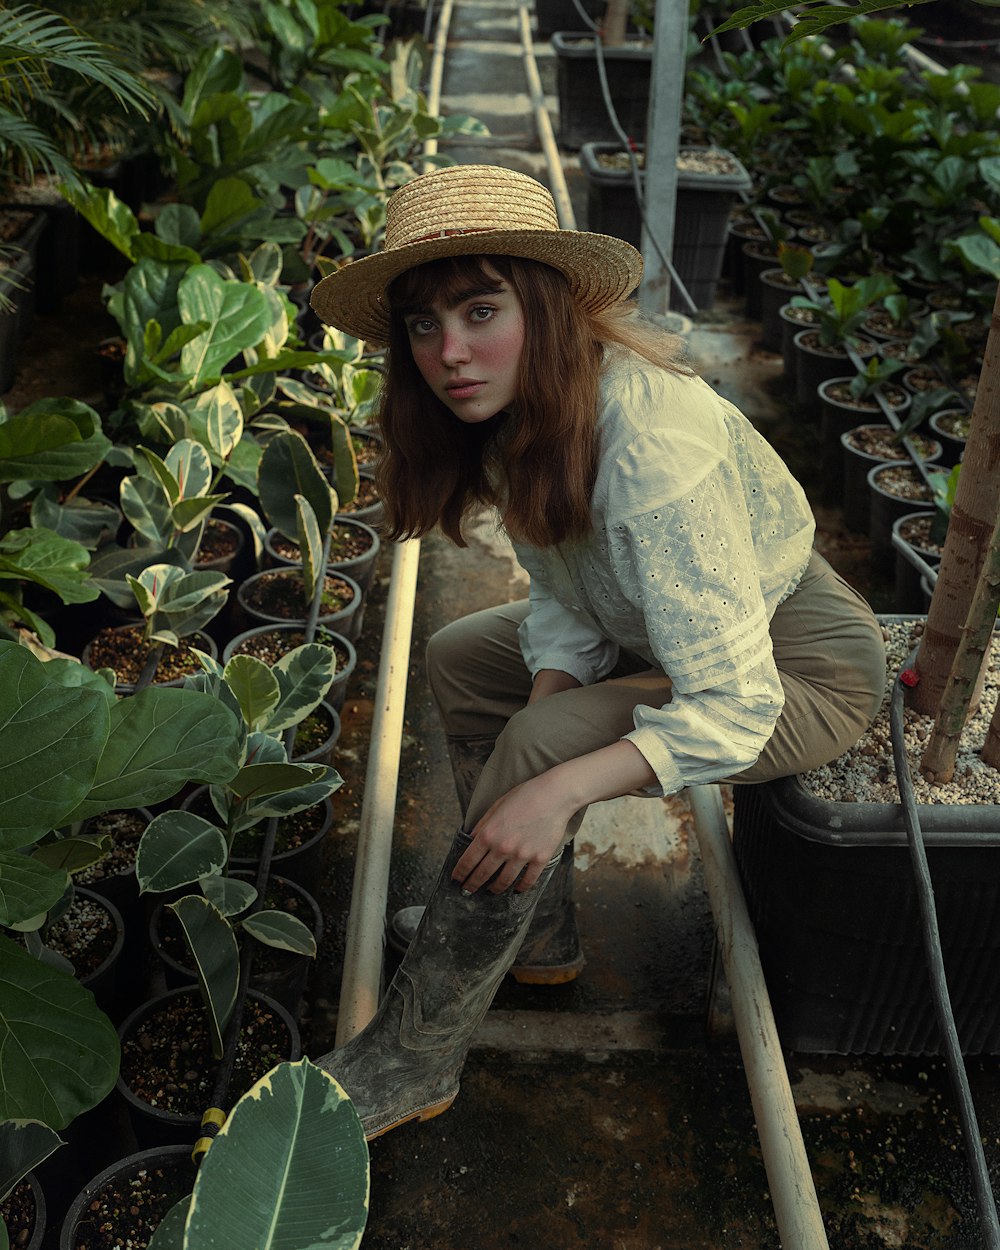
<point x="473" y="210"/>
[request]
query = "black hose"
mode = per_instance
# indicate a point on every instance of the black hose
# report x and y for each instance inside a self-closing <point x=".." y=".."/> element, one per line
<point x="985" y="1200"/>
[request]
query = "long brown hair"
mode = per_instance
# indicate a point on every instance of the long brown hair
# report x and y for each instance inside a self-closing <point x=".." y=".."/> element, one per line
<point x="535" y="463"/>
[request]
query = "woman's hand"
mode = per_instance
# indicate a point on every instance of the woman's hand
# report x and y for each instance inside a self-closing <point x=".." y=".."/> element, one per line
<point x="523" y="830"/>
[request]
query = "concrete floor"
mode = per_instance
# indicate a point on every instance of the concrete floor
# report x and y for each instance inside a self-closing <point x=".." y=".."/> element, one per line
<point x="613" y="1112"/>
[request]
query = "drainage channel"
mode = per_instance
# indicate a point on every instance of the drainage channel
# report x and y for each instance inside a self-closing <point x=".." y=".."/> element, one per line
<point x="790" y="1180"/>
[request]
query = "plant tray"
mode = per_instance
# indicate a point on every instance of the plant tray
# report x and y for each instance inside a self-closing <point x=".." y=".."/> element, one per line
<point x="830" y="890"/>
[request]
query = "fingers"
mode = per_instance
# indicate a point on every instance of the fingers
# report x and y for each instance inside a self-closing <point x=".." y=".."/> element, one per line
<point x="480" y="867"/>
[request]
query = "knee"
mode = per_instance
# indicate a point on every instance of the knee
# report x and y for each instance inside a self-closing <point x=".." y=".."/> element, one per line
<point x="440" y="653"/>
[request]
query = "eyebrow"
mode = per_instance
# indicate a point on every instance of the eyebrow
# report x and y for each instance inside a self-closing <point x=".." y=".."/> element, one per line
<point x="459" y="297"/>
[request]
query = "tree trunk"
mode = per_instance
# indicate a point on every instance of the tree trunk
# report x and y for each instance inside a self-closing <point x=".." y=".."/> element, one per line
<point x="973" y="517"/>
<point x="615" y="22"/>
<point x="938" y="762"/>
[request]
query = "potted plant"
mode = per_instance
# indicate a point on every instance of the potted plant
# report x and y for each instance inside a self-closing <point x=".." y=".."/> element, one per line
<point x="709" y="181"/>
<point x="95" y="753"/>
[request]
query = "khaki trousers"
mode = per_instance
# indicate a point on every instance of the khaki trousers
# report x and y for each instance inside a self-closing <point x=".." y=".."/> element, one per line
<point x="827" y="645"/>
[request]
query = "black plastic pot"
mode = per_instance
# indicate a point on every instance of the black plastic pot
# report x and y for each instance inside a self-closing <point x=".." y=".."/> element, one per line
<point x="914" y="562"/>
<point x="952" y="443"/>
<point x="87" y="1211"/>
<point x="342" y="621"/>
<point x="28" y="1199"/>
<point x="704" y="202"/>
<point x="204" y="642"/>
<point x="583" y="117"/>
<point x="553" y="15"/>
<point x="17" y="287"/>
<point x="299" y="864"/>
<point x="335" y="696"/>
<point x="359" y="567"/>
<point x="281" y="975"/>
<point x="829" y="887"/>
<point x="838" y="416"/>
<point x="776" y="289"/>
<point x="887" y="506"/>
<point x="816" y="363"/>
<point x="154" y="1126"/>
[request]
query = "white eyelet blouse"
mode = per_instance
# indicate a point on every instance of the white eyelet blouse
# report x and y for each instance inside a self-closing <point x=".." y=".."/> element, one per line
<point x="700" y="531"/>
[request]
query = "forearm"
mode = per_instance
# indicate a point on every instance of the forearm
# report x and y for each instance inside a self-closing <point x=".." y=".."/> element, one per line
<point x="551" y="681"/>
<point x="607" y="773"/>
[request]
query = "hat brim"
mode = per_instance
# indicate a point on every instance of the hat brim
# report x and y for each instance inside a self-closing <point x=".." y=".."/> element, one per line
<point x="601" y="270"/>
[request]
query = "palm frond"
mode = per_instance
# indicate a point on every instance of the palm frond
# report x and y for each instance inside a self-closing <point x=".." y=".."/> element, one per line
<point x="27" y="149"/>
<point x="34" y="42"/>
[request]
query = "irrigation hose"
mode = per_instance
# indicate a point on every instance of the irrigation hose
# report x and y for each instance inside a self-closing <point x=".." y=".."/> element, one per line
<point x="985" y="1200"/>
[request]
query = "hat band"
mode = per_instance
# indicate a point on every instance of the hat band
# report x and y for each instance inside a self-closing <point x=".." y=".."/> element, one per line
<point x="447" y="234"/>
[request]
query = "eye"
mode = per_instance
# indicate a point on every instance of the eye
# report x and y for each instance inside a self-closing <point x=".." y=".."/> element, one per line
<point x="416" y="327"/>
<point x="481" y="312"/>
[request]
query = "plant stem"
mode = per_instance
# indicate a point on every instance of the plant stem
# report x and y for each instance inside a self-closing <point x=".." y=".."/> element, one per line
<point x="938" y="762"/>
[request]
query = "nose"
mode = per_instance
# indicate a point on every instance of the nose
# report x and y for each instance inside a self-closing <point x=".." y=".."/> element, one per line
<point x="454" y="345"/>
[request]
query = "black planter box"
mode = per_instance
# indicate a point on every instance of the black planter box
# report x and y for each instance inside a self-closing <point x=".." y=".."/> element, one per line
<point x="553" y="15"/>
<point x="701" y="222"/>
<point x="583" y="116"/>
<point x="830" y="890"/>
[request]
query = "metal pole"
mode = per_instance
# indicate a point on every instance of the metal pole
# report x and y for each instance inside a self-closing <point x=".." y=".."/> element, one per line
<point x="361" y="984"/>
<point x="793" y="1195"/>
<point x="666" y="96"/>
<point x="543" y="125"/>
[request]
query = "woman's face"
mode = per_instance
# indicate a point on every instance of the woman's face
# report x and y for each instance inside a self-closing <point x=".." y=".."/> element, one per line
<point x="468" y="347"/>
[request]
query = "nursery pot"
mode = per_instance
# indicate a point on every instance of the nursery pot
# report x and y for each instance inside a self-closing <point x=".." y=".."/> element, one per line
<point x="366" y="505"/>
<point x="816" y="363"/>
<point x="915" y="558"/>
<point x="840" y="412"/>
<point x="24" y="1214"/>
<point x="948" y="426"/>
<point x="864" y="447"/>
<point x="299" y="846"/>
<point x="583" y="116"/>
<point x="176" y="1020"/>
<point x="274" y="597"/>
<point x="896" y="489"/>
<point x="91" y="935"/>
<point x="122" y="646"/>
<point x="793" y="319"/>
<point x="829" y="887"/>
<point x="160" y="1177"/>
<point x="709" y="182"/>
<point x="776" y="289"/>
<point x="281" y="975"/>
<point x="357" y="540"/>
<point x="270" y="642"/>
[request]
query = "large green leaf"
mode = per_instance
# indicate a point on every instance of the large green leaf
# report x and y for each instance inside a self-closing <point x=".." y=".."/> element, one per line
<point x="282" y="930"/>
<point x="58" y="1053"/>
<point x="160" y="740"/>
<point x="288" y="468"/>
<point x="27" y="887"/>
<point x="217" y="960"/>
<point x="310" y="541"/>
<point x="238" y="316"/>
<point x="288" y="1171"/>
<point x="304" y="675"/>
<point x="255" y="687"/>
<point x="254" y="781"/>
<point x="38" y="555"/>
<point x="216" y="419"/>
<point x="111" y="218"/>
<point x="176" y="849"/>
<point x="24" y="1144"/>
<point x="52" y="737"/>
<point x="86" y="521"/>
<point x="52" y="440"/>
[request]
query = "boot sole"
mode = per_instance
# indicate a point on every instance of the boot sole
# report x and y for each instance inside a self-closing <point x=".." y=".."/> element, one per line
<point x="424" y="1113"/>
<point x="560" y="974"/>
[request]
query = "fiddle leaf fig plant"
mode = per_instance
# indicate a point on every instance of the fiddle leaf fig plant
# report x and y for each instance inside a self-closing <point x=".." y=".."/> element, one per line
<point x="299" y="501"/>
<point x="181" y="848"/>
<point x="69" y="750"/>
<point x="841" y="310"/>
<point x="175" y="604"/>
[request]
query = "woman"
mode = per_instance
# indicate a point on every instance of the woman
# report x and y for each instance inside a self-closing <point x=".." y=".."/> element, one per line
<point x="679" y="629"/>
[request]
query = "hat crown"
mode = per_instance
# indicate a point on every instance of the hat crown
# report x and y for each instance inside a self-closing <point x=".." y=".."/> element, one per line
<point x="466" y="199"/>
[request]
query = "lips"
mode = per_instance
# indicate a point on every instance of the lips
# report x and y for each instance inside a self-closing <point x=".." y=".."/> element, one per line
<point x="463" y="388"/>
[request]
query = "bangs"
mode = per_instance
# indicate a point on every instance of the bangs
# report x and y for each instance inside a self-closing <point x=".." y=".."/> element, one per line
<point x="448" y="279"/>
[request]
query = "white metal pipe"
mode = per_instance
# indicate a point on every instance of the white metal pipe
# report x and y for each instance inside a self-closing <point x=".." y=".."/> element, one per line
<point x="793" y="1194"/>
<point x="362" y="980"/>
<point x="543" y="124"/>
